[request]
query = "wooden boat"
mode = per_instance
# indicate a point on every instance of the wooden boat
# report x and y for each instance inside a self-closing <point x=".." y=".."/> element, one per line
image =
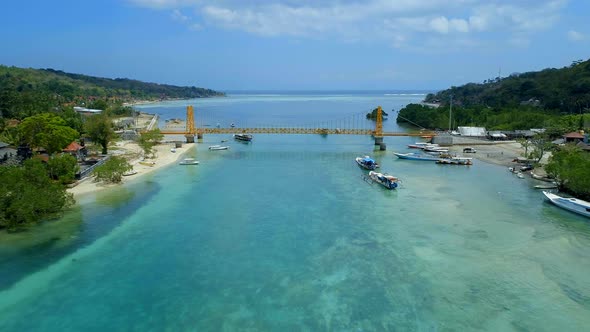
<point x="147" y="163"/>
<point x="386" y="180"/>
<point x="189" y="161"/>
<point x="571" y="204"/>
<point x="218" y="147"/>
<point x="366" y="162"/>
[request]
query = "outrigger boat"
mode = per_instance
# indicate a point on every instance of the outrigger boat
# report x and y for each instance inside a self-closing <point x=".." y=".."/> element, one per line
<point x="386" y="180"/>
<point x="571" y="204"/>
<point x="366" y="162"/>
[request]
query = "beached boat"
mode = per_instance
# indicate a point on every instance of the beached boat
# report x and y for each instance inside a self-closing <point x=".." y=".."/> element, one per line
<point x="571" y="204"/>
<point x="173" y="150"/>
<point x="546" y="186"/>
<point x="218" y="147"/>
<point x="366" y="162"/>
<point x="386" y="180"/>
<point x="129" y="173"/>
<point x="436" y="149"/>
<point x="417" y="156"/>
<point x="189" y="161"/>
<point x="455" y="161"/>
<point x="243" y="137"/>
<point x="418" y="145"/>
<point x="147" y="163"/>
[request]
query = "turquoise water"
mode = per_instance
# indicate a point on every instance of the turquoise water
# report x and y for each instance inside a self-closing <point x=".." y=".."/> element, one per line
<point x="283" y="234"/>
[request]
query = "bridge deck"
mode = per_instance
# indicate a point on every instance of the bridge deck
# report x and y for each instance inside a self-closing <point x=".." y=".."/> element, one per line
<point x="315" y="131"/>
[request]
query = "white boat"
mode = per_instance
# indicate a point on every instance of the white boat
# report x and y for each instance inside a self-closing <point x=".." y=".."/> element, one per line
<point x="571" y="204"/>
<point x="546" y="186"/>
<point x="189" y="161"/>
<point x="455" y="161"/>
<point x="417" y="156"/>
<point x="386" y="180"/>
<point x="519" y="175"/>
<point x="129" y="173"/>
<point x="173" y="150"/>
<point x="436" y="149"/>
<point x="218" y="147"/>
<point x="418" y="145"/>
<point x="366" y="162"/>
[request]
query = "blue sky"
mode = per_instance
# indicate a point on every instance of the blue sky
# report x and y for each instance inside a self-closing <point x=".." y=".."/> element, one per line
<point x="296" y="44"/>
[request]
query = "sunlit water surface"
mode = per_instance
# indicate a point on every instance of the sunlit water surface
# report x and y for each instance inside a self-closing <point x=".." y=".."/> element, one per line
<point x="284" y="234"/>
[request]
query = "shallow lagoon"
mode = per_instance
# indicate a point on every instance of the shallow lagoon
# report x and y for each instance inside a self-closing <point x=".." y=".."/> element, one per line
<point x="284" y="234"/>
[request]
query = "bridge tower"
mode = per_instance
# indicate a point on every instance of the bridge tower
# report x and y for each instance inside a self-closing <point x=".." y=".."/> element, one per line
<point x="190" y="124"/>
<point x="378" y="135"/>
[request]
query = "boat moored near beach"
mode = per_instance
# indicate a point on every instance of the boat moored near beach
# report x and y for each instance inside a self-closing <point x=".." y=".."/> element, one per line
<point x="218" y="147"/>
<point x="386" y="180"/>
<point x="189" y="161"/>
<point x="455" y="161"/>
<point x="417" y="156"/>
<point x="366" y="162"/>
<point x="571" y="204"/>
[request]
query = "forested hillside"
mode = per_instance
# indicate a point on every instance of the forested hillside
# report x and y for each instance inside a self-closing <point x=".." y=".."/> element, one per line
<point x="24" y="92"/>
<point x="565" y="90"/>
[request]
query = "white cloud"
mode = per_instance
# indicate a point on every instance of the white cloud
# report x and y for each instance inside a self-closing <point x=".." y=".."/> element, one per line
<point x="177" y="15"/>
<point x="575" y="36"/>
<point x="400" y="22"/>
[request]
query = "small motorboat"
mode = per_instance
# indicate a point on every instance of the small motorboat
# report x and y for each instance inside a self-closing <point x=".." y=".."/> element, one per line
<point x="417" y="156"/>
<point x="386" y="180"/>
<point x="223" y="140"/>
<point x="129" y="173"/>
<point x="173" y="150"/>
<point x="218" y="147"/>
<point x="519" y="175"/>
<point x="243" y="137"/>
<point x="571" y="204"/>
<point x="189" y="161"/>
<point x="366" y="162"/>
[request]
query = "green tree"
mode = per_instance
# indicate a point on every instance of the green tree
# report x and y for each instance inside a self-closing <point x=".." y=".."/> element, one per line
<point x="112" y="170"/>
<point x="541" y="145"/>
<point x="571" y="167"/>
<point x="63" y="168"/>
<point x="27" y="195"/>
<point x="526" y="144"/>
<point x="149" y="139"/>
<point x="47" y="130"/>
<point x="100" y="130"/>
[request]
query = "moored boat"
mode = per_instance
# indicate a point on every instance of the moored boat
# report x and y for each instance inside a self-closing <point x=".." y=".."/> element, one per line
<point x="386" y="180"/>
<point x="129" y="173"/>
<point x="417" y="156"/>
<point x="243" y="137"/>
<point x="218" y="147"/>
<point x="546" y="186"/>
<point x="571" y="204"/>
<point x="189" y="161"/>
<point x="147" y="163"/>
<point x="455" y="161"/>
<point x="366" y="162"/>
<point x="418" y="145"/>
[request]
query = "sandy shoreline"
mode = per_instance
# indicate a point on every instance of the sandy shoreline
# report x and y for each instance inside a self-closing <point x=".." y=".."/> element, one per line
<point x="164" y="157"/>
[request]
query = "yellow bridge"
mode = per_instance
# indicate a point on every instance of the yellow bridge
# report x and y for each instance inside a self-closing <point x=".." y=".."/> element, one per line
<point x="191" y="130"/>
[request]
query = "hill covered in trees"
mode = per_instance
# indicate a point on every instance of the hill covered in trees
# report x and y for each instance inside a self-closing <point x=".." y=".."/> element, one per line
<point x="564" y="90"/>
<point x="25" y="91"/>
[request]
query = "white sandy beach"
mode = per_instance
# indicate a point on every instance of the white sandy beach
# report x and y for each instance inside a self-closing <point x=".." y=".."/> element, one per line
<point x="164" y="157"/>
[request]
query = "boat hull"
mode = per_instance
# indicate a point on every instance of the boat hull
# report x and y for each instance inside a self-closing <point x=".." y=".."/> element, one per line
<point x="388" y="181"/>
<point x="412" y="156"/>
<point x="571" y="204"/>
<point x="362" y="163"/>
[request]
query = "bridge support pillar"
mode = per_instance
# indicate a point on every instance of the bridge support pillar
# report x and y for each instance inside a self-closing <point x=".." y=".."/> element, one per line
<point x="378" y="140"/>
<point x="199" y="135"/>
<point x="382" y="147"/>
<point x="190" y="138"/>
